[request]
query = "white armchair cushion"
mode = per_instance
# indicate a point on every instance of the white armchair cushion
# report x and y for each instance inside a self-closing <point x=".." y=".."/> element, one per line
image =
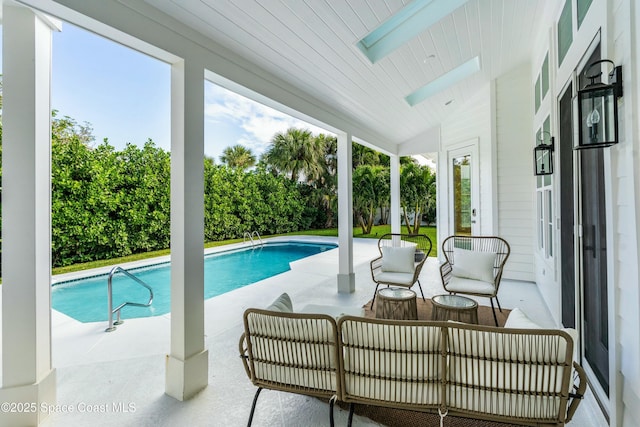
<point x="463" y="285"/>
<point x="473" y="264"/>
<point x="398" y="259"/>
<point x="395" y="278"/>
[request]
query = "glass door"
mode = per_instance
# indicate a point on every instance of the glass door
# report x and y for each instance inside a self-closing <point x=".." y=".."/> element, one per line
<point x="462" y="194"/>
<point x="464" y="182"/>
<point x="593" y="253"/>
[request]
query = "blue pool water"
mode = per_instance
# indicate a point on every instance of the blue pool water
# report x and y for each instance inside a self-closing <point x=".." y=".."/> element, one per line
<point x="86" y="299"/>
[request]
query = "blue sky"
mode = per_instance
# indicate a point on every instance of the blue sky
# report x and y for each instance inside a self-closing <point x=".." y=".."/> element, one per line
<point x="124" y="96"/>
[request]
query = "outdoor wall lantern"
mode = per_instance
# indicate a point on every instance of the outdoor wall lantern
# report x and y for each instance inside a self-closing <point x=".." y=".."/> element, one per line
<point x="598" y="108"/>
<point x="543" y="155"/>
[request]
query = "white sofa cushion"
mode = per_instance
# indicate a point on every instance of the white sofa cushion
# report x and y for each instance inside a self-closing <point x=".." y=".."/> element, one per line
<point x="473" y="264"/>
<point x="461" y="284"/>
<point x="392" y="363"/>
<point x="518" y="320"/>
<point x="488" y="368"/>
<point x="282" y="304"/>
<point x="332" y="310"/>
<point x="398" y="259"/>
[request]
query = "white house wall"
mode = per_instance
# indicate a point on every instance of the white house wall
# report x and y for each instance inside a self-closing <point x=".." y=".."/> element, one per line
<point x="624" y="49"/>
<point x="514" y="177"/>
<point x="470" y="122"/>
<point x="616" y="23"/>
<point x="498" y="117"/>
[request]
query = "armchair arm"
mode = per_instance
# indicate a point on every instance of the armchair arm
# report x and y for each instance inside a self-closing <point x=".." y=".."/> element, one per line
<point x="242" y="347"/>
<point x="376" y="264"/>
<point x="580" y="388"/>
<point x="446" y="270"/>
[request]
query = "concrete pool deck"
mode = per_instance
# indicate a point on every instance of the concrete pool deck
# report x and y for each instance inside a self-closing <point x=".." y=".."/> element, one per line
<point x="117" y="378"/>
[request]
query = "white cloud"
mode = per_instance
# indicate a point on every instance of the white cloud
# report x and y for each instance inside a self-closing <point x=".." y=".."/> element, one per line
<point x="256" y="122"/>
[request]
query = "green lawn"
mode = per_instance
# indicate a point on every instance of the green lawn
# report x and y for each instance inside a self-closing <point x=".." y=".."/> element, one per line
<point x="376" y="232"/>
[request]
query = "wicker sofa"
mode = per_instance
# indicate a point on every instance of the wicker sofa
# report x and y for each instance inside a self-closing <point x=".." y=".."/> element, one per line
<point x="517" y="376"/>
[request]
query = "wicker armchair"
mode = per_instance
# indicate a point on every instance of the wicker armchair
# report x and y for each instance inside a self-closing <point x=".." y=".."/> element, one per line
<point x="480" y="261"/>
<point x="401" y="266"/>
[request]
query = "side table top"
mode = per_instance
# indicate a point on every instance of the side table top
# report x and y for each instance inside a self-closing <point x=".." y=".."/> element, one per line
<point x="396" y="293"/>
<point x="454" y="301"/>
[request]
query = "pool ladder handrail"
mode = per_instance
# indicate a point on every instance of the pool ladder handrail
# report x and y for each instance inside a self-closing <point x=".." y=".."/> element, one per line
<point x="250" y="237"/>
<point x="114" y="270"/>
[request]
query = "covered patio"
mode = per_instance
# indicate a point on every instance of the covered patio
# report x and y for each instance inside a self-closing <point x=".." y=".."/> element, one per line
<point x="126" y="368"/>
<point x="474" y="84"/>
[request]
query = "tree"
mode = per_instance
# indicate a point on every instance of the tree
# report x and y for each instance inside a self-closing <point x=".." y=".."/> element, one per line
<point x="362" y="155"/>
<point x="416" y="190"/>
<point x="296" y="153"/>
<point x="370" y="187"/>
<point x="325" y="192"/>
<point x="238" y="157"/>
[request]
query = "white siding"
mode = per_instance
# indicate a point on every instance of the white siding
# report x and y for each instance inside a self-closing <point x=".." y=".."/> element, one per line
<point x="471" y="121"/>
<point x="506" y="176"/>
<point x="514" y="166"/>
<point x="617" y="22"/>
<point x="625" y="208"/>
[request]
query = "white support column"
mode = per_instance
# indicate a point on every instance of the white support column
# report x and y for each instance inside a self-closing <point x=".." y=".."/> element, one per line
<point x="396" y="215"/>
<point x="188" y="363"/>
<point x="346" y="276"/>
<point x="27" y="373"/>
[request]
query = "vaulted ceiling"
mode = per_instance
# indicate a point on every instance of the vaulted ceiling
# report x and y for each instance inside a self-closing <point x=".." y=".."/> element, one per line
<point x="312" y="45"/>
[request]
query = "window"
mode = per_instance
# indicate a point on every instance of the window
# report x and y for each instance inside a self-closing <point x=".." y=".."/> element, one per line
<point x="544" y="201"/>
<point x="549" y="222"/>
<point x="537" y="95"/>
<point x="542" y="83"/>
<point x="565" y="31"/>
<point x="545" y="76"/>
<point x="583" y="8"/>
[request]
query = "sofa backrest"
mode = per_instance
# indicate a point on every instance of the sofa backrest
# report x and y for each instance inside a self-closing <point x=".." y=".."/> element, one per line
<point x="501" y="374"/>
<point x="292" y="351"/>
<point x="507" y="375"/>
<point x="513" y="374"/>
<point x="392" y="361"/>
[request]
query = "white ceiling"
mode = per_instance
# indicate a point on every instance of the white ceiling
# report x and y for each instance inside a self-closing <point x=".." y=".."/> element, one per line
<point x="312" y="45"/>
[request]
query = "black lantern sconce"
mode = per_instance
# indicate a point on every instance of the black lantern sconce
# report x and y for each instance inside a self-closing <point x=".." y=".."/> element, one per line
<point x="598" y="109"/>
<point x="543" y="155"/>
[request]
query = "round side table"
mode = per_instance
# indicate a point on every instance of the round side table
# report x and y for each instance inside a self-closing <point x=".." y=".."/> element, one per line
<point x="454" y="307"/>
<point x="396" y="303"/>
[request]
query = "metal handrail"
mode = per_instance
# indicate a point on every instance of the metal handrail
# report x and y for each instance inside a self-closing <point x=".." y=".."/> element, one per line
<point x="255" y="233"/>
<point x="112" y="310"/>
<point x="249" y="236"/>
<point x="245" y="236"/>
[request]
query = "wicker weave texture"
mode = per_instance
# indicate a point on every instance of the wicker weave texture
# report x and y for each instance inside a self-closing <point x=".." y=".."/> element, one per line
<point x="487" y="244"/>
<point x="388" y="362"/>
<point x="519" y="376"/>
<point x="292" y="352"/>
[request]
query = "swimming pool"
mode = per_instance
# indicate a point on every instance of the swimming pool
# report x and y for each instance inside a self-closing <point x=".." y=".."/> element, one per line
<point x="86" y="299"/>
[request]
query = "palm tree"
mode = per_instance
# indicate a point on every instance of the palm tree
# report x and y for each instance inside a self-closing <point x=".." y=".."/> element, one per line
<point x="416" y="193"/>
<point x="362" y="155"/>
<point x="370" y="189"/>
<point x="238" y="157"/>
<point x="296" y="152"/>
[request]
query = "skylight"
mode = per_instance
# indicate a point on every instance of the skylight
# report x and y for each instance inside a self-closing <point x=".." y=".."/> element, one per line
<point x="404" y="25"/>
<point x="446" y="80"/>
